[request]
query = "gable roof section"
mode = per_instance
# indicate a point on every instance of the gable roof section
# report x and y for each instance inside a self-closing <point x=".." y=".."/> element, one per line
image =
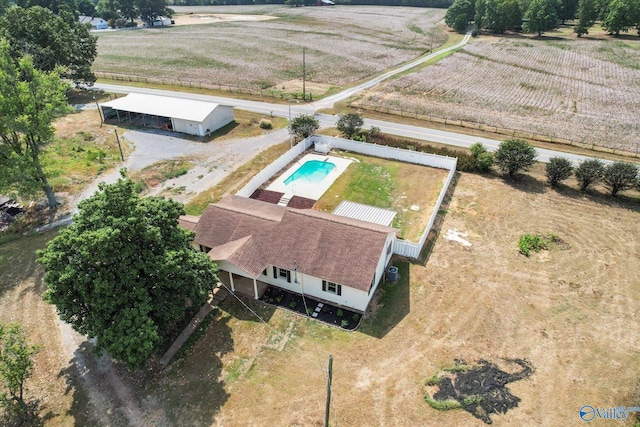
<point x="163" y="106"/>
<point x="252" y="234"/>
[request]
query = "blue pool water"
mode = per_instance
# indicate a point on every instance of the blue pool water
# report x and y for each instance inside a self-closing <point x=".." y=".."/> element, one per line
<point x="313" y="171"/>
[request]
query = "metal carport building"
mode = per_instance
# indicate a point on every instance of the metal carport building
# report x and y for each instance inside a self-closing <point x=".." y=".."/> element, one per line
<point x="178" y="114"/>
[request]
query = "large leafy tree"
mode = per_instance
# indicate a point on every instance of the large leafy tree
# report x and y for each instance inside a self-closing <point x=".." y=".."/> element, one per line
<point x="587" y="15"/>
<point x="459" y="14"/>
<point x="150" y="10"/>
<point x="123" y="272"/>
<point x="621" y="15"/>
<point x="541" y="16"/>
<point x="515" y="155"/>
<point x="56" y="6"/>
<point x="501" y="15"/>
<point x="16" y="366"/>
<point x="29" y="102"/>
<point x="52" y="40"/>
<point x="620" y="176"/>
<point x="566" y="9"/>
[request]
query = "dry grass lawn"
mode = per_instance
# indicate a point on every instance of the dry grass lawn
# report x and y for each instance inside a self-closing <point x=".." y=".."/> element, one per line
<point x="570" y="312"/>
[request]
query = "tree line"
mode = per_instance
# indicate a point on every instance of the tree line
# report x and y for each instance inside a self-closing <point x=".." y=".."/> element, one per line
<point x="538" y="16"/>
<point x="414" y="3"/>
<point x="129" y="10"/>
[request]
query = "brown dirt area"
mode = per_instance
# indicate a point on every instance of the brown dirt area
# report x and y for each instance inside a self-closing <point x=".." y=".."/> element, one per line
<point x="211" y="18"/>
<point x="570" y="312"/>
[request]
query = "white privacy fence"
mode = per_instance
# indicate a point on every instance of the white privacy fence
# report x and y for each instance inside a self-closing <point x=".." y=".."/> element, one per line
<point x="400" y="247"/>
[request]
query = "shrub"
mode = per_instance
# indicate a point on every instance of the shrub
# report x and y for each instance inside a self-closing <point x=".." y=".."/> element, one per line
<point x="350" y="125"/>
<point x="558" y="169"/>
<point x="304" y="125"/>
<point x="531" y="242"/>
<point x="266" y="124"/>
<point x="309" y="311"/>
<point x="344" y="323"/>
<point x="477" y="149"/>
<point x="356" y="317"/>
<point x="515" y="155"/>
<point x="292" y="304"/>
<point x="589" y="172"/>
<point x="484" y="161"/>
<point x="620" y="176"/>
<point x="176" y="173"/>
<point x="339" y="313"/>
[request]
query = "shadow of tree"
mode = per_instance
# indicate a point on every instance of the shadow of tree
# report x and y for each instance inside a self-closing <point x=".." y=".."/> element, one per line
<point x="241" y="308"/>
<point x="523" y="182"/>
<point x="29" y="418"/>
<point x="188" y="392"/>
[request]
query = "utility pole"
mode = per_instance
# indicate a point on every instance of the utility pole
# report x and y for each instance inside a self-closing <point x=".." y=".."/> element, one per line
<point x="304" y="96"/>
<point x="328" y="405"/>
<point x="119" y="147"/>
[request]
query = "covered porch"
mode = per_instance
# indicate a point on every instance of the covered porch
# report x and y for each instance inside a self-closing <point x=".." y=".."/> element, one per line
<point x="242" y="285"/>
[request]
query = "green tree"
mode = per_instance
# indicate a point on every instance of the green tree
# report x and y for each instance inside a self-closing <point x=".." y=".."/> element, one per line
<point x="150" y="10"/>
<point x="480" y="11"/>
<point x="587" y="14"/>
<point x="501" y="15"/>
<point x="4" y="5"/>
<point x="123" y="272"/>
<point x="86" y="7"/>
<point x="515" y="155"/>
<point x="16" y="366"/>
<point x="51" y="40"/>
<point x="622" y="15"/>
<point x="589" y="172"/>
<point x="558" y="169"/>
<point x="459" y="14"/>
<point x="620" y="176"/>
<point x="350" y="125"/>
<point x="56" y="6"/>
<point x="541" y="16"/>
<point x="304" y="125"/>
<point x="566" y="10"/>
<point x="110" y="9"/>
<point x="29" y="102"/>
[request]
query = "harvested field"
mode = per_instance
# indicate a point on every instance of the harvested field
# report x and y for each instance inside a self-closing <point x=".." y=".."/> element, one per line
<point x="344" y="44"/>
<point x="586" y="91"/>
<point x="570" y="313"/>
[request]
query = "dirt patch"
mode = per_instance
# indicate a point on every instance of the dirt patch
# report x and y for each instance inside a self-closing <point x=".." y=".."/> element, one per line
<point x="480" y="390"/>
<point x="213" y="18"/>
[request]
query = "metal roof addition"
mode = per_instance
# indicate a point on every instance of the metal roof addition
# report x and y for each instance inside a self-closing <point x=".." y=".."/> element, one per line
<point x="163" y="106"/>
<point x="365" y="213"/>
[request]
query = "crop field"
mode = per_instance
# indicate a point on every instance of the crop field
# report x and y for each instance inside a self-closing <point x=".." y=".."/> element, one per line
<point x="586" y="91"/>
<point x="343" y="45"/>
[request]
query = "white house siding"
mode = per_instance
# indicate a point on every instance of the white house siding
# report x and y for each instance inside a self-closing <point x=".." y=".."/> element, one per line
<point x="385" y="256"/>
<point x="220" y="116"/>
<point x="185" y="126"/>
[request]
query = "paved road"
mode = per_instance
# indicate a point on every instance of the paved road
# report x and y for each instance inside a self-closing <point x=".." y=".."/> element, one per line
<point x="295" y="108"/>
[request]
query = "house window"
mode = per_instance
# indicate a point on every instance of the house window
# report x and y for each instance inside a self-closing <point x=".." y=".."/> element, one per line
<point x="331" y="287"/>
<point x="281" y="273"/>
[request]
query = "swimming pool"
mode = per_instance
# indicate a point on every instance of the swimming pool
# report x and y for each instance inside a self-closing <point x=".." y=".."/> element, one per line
<point x="313" y="171"/>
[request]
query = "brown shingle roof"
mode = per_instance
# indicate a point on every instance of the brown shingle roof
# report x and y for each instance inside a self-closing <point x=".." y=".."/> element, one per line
<point x="337" y="249"/>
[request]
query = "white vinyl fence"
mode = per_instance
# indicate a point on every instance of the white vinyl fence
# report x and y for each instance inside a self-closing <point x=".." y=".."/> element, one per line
<point x="400" y="247"/>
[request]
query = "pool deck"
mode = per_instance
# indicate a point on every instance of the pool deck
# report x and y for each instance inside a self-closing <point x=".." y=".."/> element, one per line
<point x="307" y="189"/>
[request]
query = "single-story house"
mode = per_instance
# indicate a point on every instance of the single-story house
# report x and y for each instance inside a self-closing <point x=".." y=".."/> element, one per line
<point x="178" y="114"/>
<point x="96" y="23"/>
<point x="257" y="244"/>
<point x="162" y="21"/>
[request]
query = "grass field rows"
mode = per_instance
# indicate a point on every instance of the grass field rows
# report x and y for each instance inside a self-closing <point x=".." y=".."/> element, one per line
<point x="568" y="90"/>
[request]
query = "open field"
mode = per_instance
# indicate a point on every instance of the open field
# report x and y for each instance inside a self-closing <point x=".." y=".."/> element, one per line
<point x="571" y="312"/>
<point x="344" y="44"/>
<point x="580" y="90"/>
<point x="391" y="185"/>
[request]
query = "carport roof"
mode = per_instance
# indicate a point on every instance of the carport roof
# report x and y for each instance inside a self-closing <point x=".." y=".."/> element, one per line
<point x="163" y="106"/>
